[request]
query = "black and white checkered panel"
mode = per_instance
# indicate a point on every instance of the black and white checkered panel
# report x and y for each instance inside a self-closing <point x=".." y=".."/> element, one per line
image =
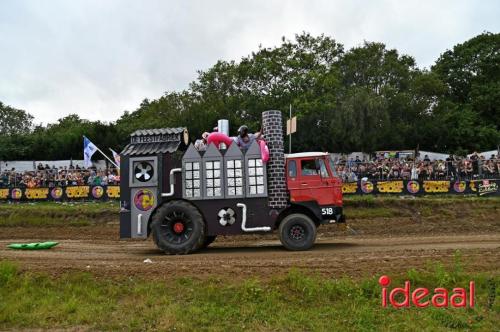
<point x="213" y="179"/>
<point x="192" y="180"/>
<point x="192" y="174"/>
<point x="255" y="185"/>
<point x="234" y="179"/>
<point x="256" y="175"/>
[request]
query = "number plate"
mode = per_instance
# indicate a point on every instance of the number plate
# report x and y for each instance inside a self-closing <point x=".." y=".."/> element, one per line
<point x="327" y="211"/>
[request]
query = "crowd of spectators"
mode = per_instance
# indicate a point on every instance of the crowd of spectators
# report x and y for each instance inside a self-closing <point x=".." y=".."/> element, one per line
<point x="349" y="169"/>
<point x="408" y="168"/>
<point x="46" y="176"/>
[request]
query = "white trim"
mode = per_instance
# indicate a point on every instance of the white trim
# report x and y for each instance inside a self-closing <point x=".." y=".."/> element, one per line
<point x="244" y="221"/>
<point x="172" y="184"/>
<point x="306" y="154"/>
<point x="139" y="224"/>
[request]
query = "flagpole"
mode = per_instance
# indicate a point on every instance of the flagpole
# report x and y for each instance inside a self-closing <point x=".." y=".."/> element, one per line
<point x="112" y="162"/>
<point x="106" y="157"/>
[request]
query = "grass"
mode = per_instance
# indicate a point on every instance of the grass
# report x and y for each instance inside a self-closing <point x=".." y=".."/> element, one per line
<point x="295" y="302"/>
<point x="55" y="213"/>
<point x="368" y="206"/>
<point x="356" y="207"/>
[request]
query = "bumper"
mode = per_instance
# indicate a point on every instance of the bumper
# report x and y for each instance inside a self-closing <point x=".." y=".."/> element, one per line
<point x="337" y="217"/>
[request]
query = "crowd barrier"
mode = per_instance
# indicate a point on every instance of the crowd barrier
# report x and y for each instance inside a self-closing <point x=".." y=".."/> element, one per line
<point x="422" y="187"/>
<point x="397" y="187"/>
<point x="61" y="193"/>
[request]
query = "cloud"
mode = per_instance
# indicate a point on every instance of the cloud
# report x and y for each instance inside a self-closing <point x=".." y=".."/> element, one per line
<point x="99" y="58"/>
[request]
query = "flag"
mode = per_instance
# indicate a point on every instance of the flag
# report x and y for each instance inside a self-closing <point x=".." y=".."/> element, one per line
<point x="88" y="150"/>
<point x="116" y="157"/>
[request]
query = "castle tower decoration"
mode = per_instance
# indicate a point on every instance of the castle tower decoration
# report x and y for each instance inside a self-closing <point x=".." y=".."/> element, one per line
<point x="272" y="126"/>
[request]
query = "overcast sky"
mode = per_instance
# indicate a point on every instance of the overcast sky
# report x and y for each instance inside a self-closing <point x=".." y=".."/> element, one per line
<point x="99" y="58"/>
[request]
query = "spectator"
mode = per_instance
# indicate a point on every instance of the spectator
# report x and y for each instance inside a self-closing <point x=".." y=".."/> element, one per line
<point x="383" y="168"/>
<point x="450" y="168"/>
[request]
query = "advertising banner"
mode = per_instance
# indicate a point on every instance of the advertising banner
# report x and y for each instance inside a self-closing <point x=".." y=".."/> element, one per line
<point x="422" y="187"/>
<point x="61" y="193"/>
<point x="371" y="187"/>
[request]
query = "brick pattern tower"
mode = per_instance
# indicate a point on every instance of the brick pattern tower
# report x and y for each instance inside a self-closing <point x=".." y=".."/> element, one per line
<point x="272" y="127"/>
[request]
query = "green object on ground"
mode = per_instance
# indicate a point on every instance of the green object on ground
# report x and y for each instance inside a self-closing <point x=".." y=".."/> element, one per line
<point x="33" y="246"/>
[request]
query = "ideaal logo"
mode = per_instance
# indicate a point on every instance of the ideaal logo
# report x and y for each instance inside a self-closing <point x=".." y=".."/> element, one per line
<point x="403" y="297"/>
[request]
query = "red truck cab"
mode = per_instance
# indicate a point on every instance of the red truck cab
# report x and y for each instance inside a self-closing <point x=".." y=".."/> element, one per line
<point x="311" y="179"/>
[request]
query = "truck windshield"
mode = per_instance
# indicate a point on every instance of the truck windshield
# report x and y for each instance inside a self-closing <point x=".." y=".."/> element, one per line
<point x="332" y="166"/>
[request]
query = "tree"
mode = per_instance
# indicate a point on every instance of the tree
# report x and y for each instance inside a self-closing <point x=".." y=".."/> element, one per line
<point x="14" y="121"/>
<point x="364" y="99"/>
<point x="471" y="72"/>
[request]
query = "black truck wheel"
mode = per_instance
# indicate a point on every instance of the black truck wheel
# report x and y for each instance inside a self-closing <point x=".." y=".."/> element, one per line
<point x="178" y="228"/>
<point x="208" y="240"/>
<point x="297" y="232"/>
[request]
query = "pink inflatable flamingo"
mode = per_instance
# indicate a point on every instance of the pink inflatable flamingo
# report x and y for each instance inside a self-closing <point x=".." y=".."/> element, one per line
<point x="218" y="138"/>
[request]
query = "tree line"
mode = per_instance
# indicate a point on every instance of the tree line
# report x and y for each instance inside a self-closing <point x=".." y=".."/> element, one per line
<point x="366" y="98"/>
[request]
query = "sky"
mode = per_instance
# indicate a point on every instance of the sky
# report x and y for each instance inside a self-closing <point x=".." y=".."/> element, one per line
<point x="98" y="58"/>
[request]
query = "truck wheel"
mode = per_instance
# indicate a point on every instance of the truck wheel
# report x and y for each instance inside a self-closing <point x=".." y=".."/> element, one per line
<point x="297" y="232"/>
<point x="178" y="228"/>
<point x="208" y="240"/>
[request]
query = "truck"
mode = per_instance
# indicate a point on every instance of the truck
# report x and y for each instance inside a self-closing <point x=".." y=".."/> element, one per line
<point x="184" y="198"/>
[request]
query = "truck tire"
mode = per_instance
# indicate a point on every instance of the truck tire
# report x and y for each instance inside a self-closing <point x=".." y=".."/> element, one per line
<point x="178" y="228"/>
<point x="297" y="232"/>
<point x="208" y="240"/>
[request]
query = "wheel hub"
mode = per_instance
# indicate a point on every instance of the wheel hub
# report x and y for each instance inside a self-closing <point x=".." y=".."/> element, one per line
<point x="178" y="227"/>
<point x="297" y="232"/>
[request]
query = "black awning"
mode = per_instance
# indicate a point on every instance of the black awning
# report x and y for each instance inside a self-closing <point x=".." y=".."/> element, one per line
<point x="150" y="148"/>
<point x="154" y="141"/>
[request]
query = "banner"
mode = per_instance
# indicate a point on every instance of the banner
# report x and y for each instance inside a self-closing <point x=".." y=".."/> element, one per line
<point x="396" y="187"/>
<point x="422" y="187"/>
<point x="99" y="193"/>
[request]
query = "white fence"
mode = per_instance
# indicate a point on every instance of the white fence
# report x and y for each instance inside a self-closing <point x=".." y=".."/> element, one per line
<point x="30" y="165"/>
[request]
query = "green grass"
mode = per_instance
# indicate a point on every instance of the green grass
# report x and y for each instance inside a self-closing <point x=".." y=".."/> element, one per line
<point x="295" y="302"/>
<point x="55" y="213"/>
<point x="362" y="207"/>
<point x="356" y="207"/>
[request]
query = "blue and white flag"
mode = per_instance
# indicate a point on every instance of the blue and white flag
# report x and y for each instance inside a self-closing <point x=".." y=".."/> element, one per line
<point x="116" y="157"/>
<point x="88" y="150"/>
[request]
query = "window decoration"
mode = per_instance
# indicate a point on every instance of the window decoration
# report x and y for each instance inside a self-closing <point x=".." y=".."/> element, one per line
<point x="192" y="180"/>
<point x="213" y="178"/>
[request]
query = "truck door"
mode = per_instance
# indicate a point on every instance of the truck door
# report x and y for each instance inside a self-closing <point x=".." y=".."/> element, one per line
<point x="311" y="182"/>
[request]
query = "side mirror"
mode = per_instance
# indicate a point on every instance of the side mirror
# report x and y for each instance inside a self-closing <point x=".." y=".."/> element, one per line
<point x="318" y="167"/>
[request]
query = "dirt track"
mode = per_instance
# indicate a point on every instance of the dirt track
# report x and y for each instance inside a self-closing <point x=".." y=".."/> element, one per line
<point x="97" y="249"/>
